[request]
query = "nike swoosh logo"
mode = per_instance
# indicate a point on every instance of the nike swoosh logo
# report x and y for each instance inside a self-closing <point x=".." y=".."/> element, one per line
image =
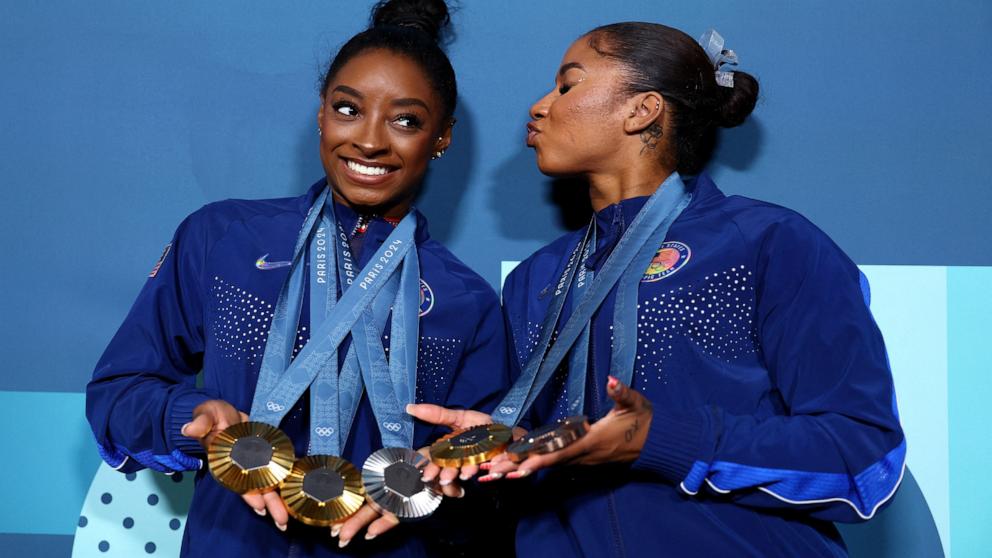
<point x="260" y="263"/>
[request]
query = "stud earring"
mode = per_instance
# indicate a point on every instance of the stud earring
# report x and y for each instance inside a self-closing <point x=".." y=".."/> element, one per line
<point x="319" y="131"/>
<point x="437" y="154"/>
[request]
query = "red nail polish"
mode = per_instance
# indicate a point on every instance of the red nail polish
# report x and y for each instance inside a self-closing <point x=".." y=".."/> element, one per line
<point x="611" y="382"/>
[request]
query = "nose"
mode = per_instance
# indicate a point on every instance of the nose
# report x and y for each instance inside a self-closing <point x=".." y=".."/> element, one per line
<point x="371" y="138"/>
<point x="539" y="109"/>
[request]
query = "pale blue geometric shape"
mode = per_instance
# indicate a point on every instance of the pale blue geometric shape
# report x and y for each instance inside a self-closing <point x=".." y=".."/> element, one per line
<point x="138" y="514"/>
<point x="970" y="385"/>
<point x="505" y="267"/>
<point x="50" y="460"/>
<point x="910" y="307"/>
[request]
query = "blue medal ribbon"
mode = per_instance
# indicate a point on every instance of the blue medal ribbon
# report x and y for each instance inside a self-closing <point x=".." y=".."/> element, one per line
<point x="643" y="236"/>
<point x="334" y="397"/>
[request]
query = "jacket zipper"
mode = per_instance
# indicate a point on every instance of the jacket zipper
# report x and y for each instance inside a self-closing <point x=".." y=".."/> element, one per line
<point x="610" y="500"/>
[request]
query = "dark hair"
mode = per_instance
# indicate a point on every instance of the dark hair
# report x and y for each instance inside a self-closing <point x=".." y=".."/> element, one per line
<point x="412" y="28"/>
<point x="666" y="60"/>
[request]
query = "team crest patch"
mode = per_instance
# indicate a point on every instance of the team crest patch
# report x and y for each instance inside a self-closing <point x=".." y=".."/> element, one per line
<point x="426" y="298"/>
<point x="671" y="257"/>
<point x="161" y="259"/>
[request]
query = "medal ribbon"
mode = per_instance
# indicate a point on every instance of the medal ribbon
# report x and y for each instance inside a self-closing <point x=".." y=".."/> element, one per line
<point x="651" y="224"/>
<point x="281" y="382"/>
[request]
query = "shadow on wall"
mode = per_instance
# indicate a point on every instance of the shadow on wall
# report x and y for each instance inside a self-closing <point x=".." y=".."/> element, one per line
<point x="447" y="178"/>
<point x="905" y="529"/>
<point x="739" y="148"/>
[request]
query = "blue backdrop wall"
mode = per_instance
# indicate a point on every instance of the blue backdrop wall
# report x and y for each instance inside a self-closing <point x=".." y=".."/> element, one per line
<point x="117" y="119"/>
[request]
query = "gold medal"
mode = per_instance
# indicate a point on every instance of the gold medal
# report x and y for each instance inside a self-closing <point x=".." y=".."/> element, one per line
<point x="471" y="446"/>
<point x="250" y="457"/>
<point x="322" y="490"/>
<point x="548" y="438"/>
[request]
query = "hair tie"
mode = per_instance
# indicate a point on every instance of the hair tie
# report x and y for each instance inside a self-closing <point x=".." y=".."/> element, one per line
<point x="712" y="43"/>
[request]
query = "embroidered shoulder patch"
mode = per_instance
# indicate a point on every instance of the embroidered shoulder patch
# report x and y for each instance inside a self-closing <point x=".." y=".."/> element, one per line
<point x="426" y="298"/>
<point x="161" y="259"/>
<point x="671" y="257"/>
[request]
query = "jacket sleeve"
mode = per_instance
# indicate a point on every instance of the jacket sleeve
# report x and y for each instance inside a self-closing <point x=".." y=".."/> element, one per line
<point x="836" y="451"/>
<point x="144" y="387"/>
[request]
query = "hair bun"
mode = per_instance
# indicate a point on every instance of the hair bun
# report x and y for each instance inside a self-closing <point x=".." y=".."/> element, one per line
<point x="429" y="16"/>
<point x="737" y="103"/>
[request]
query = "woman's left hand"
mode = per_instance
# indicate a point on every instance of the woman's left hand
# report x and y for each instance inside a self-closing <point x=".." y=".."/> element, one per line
<point x="616" y="438"/>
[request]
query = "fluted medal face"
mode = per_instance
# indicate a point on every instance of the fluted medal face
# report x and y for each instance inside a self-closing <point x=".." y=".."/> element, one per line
<point x="471" y="446"/>
<point x="250" y="457"/>
<point x="322" y="490"/>
<point x="548" y="438"/>
<point x="392" y="483"/>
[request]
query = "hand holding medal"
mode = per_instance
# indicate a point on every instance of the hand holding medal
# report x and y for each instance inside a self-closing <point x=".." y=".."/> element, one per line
<point x="616" y="438"/>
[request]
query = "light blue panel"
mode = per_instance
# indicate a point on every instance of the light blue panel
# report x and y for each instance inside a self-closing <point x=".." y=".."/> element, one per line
<point x="49" y="461"/>
<point x="910" y="306"/>
<point x="505" y="267"/>
<point x="970" y="388"/>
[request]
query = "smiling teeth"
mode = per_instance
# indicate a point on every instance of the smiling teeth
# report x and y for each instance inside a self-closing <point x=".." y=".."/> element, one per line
<point x="367" y="171"/>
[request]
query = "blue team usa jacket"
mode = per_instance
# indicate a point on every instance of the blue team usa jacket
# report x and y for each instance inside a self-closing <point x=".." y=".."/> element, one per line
<point x="774" y="409"/>
<point x="207" y="305"/>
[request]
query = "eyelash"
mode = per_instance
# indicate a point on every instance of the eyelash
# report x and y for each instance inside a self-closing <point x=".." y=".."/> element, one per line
<point x="414" y="121"/>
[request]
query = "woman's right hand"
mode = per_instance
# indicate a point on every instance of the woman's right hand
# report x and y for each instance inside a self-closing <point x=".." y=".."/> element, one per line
<point x="213" y="417"/>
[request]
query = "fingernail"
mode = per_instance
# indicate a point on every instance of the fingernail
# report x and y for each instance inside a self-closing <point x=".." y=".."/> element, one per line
<point x="409" y="407"/>
<point x="461" y="492"/>
<point x="183" y="429"/>
<point x="343" y="543"/>
<point x="369" y="536"/>
<point x="518" y="474"/>
<point x="464" y="476"/>
<point x="486" y="466"/>
<point x="611" y="382"/>
<point x="281" y="527"/>
<point x="425" y="479"/>
<point x="491" y="477"/>
<point x="260" y="512"/>
<point x="445" y="482"/>
<point x="335" y="530"/>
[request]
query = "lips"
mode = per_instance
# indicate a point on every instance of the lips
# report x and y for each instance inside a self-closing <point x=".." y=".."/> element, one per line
<point x="532" y="131"/>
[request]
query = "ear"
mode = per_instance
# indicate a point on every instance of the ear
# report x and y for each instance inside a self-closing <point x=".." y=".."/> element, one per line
<point x="443" y="140"/>
<point x="320" y="114"/>
<point x="643" y="110"/>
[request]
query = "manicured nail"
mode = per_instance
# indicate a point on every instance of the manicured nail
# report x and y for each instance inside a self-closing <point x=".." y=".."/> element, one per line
<point x="183" y="429"/>
<point x="461" y="492"/>
<point x="445" y="482"/>
<point x="612" y="383"/>
<point x="518" y="474"/>
<point x="260" y="512"/>
<point x="335" y="530"/>
<point x="369" y="536"/>
<point x="409" y="407"/>
<point x="281" y="527"/>
<point x="343" y="543"/>
<point x="464" y="476"/>
<point x="491" y="477"/>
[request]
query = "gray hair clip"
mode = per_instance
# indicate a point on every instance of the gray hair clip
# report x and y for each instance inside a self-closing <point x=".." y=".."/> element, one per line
<point x="712" y="43"/>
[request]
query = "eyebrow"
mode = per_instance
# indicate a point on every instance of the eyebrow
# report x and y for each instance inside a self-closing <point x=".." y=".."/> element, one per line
<point x="348" y="90"/>
<point x="566" y="67"/>
<point x="404" y="102"/>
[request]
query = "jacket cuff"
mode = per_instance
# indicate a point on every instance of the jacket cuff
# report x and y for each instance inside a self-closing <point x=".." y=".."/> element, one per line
<point x="672" y="446"/>
<point x="181" y="412"/>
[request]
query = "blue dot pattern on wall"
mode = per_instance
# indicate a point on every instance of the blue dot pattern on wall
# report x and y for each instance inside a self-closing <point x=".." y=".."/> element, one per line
<point x="133" y="515"/>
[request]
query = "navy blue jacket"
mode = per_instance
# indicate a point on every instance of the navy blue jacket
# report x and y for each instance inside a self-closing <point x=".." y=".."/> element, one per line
<point x="208" y="307"/>
<point x="774" y="409"/>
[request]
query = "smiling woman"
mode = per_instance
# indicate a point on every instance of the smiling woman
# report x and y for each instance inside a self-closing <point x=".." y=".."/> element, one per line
<point x="257" y="295"/>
